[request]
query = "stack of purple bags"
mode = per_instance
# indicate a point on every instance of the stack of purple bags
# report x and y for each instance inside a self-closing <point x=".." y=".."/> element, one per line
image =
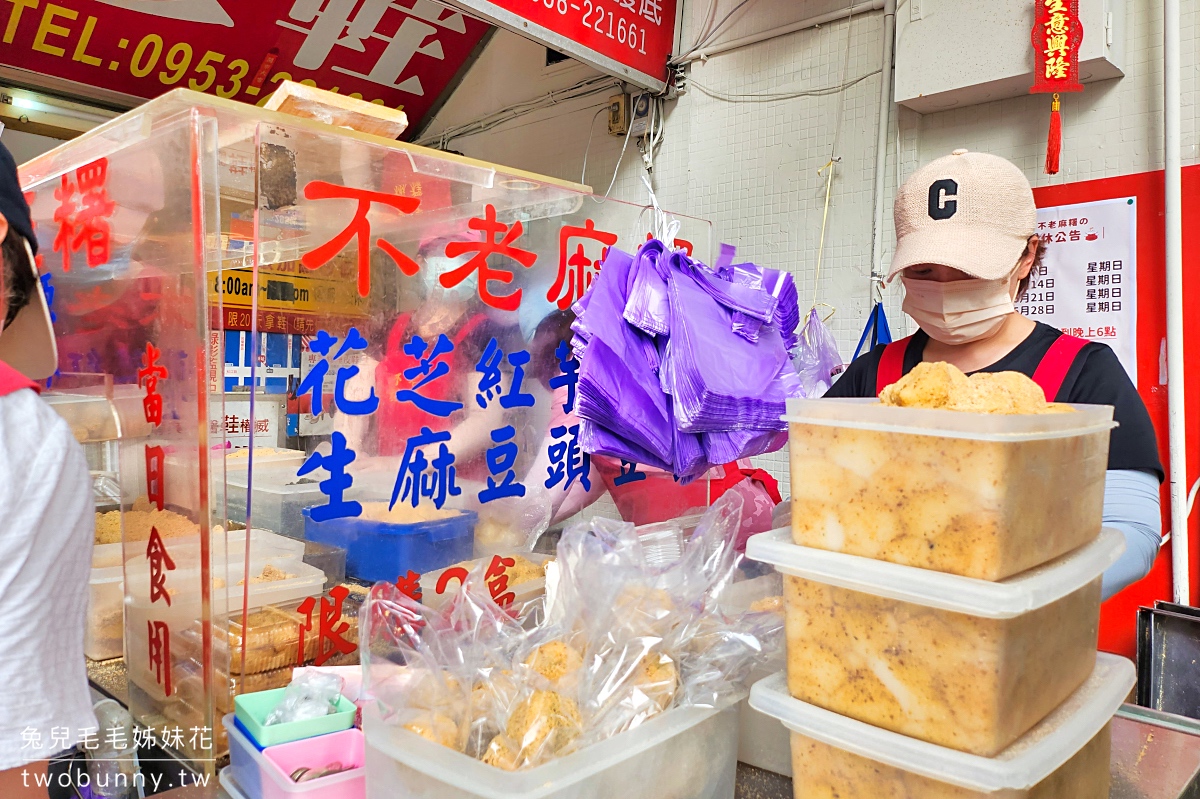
<point x="683" y="366"/>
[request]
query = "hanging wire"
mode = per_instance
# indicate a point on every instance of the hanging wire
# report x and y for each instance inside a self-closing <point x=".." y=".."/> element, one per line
<point x="837" y="131"/>
<point x="591" y="130"/>
<point x="617" y="168"/>
<point x="772" y="97"/>
<point x="828" y="169"/>
<point x="663" y="226"/>
<point x="706" y="25"/>
<point x="584" y="88"/>
<point x="834" y="159"/>
<point x="707" y="38"/>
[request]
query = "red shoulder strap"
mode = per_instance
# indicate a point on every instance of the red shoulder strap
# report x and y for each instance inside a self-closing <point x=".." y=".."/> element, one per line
<point x="469" y="327"/>
<point x="891" y="364"/>
<point x="12" y="381"/>
<point x="1052" y="371"/>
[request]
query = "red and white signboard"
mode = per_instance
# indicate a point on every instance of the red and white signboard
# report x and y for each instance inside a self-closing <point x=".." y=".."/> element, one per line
<point x="402" y="53"/>
<point x="628" y="38"/>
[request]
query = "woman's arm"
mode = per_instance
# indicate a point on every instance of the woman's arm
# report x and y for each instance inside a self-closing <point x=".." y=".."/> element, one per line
<point x="1132" y="505"/>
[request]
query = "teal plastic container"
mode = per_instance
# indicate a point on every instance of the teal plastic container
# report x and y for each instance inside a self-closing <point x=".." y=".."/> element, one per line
<point x="252" y="709"/>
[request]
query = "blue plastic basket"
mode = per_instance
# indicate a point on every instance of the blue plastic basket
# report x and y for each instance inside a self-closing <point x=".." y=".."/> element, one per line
<point x="384" y="551"/>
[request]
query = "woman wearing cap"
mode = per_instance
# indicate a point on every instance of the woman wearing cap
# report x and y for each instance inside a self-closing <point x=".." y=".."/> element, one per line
<point x="965" y="247"/>
<point x="46" y="540"/>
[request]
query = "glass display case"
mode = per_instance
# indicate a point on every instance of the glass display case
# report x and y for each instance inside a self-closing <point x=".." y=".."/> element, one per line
<point x="297" y="331"/>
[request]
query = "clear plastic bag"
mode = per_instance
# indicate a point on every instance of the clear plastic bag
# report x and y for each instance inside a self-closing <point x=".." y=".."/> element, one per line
<point x="625" y="636"/>
<point x="310" y="695"/>
<point x="816" y="357"/>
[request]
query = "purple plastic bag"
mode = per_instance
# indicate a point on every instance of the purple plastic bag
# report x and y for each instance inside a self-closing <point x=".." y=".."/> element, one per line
<point x="684" y="367"/>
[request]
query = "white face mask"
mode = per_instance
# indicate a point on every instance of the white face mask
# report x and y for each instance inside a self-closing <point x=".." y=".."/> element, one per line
<point x="960" y="311"/>
<point x="437" y="265"/>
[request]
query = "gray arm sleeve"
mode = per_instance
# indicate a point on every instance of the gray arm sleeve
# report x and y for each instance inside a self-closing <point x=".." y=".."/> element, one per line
<point x="1132" y="505"/>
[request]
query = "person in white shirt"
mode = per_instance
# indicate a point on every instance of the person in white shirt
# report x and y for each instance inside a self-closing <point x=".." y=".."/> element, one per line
<point x="47" y="532"/>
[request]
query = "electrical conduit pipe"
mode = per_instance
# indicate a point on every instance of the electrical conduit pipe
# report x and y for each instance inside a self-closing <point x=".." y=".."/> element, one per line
<point x="1173" y="207"/>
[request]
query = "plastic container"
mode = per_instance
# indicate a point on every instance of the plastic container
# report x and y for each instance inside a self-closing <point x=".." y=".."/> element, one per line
<point x="106" y="595"/>
<point x="966" y="664"/>
<point x="686" y="753"/>
<point x="265" y="774"/>
<point x="264" y="545"/>
<point x="523" y="593"/>
<point x="184" y="610"/>
<point x="977" y="495"/>
<point x="105" y="637"/>
<point x="188" y="683"/>
<point x="229" y="784"/>
<point x="277" y="498"/>
<point x="271" y="637"/>
<point x="238" y="460"/>
<point x="384" y="551"/>
<point x="252" y="709"/>
<point x="341" y="747"/>
<point x="327" y="558"/>
<point x="1066" y="755"/>
<point x="182" y="474"/>
<point x="761" y="742"/>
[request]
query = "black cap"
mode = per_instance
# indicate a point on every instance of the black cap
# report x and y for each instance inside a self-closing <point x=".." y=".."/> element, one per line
<point x="12" y="199"/>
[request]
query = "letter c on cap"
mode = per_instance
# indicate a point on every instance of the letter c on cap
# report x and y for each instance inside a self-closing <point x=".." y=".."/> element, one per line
<point x="943" y="199"/>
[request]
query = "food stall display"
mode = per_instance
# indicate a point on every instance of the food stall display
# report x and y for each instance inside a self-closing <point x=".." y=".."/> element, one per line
<point x="307" y="332"/>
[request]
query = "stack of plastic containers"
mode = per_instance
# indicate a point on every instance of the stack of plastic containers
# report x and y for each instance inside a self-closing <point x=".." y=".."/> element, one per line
<point x="106" y="598"/>
<point x="942" y="590"/>
<point x="264" y="759"/>
<point x="298" y="580"/>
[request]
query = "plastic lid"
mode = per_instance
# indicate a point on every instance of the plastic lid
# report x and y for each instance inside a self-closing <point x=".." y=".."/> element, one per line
<point x="1033" y="757"/>
<point x="868" y="414"/>
<point x="1005" y="599"/>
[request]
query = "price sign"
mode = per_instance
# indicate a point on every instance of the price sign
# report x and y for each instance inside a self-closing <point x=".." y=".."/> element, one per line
<point x="628" y="38"/>
<point x="400" y="53"/>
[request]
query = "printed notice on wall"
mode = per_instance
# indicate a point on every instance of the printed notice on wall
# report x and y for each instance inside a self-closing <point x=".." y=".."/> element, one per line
<point x="1087" y="284"/>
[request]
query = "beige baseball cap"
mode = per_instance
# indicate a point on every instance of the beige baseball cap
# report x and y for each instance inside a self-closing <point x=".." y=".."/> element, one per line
<point x="970" y="211"/>
<point x="28" y="344"/>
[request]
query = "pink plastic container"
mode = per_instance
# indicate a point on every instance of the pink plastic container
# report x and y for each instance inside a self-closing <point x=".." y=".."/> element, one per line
<point x="344" y="747"/>
<point x="267" y="774"/>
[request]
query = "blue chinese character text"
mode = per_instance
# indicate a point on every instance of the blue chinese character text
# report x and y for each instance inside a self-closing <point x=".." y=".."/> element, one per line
<point x="428" y="368"/>
<point x="489" y="367"/>
<point x="314" y="381"/>
<point x="629" y="474"/>
<point x="419" y="477"/>
<point x="567" y="460"/>
<point x="570" y="374"/>
<point x="339" y="457"/>
<point x="500" y="461"/>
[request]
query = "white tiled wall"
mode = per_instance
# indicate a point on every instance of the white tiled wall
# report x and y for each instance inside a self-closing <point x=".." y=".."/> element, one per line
<point x="752" y="167"/>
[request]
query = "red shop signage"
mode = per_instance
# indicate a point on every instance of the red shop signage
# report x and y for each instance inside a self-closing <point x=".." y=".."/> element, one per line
<point x="628" y="38"/>
<point x="402" y="53"/>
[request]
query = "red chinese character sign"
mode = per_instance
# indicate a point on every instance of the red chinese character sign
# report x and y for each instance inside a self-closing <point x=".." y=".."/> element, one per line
<point x="1057" y="34"/>
<point x="631" y="39"/>
<point x="402" y="53"/>
<point x="82" y="213"/>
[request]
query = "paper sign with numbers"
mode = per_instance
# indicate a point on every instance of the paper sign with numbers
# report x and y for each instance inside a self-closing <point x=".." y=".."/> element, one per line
<point x="1087" y="284"/>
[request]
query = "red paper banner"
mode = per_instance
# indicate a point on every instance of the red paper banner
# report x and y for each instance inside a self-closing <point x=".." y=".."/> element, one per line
<point x="402" y="53"/>
<point x="1057" y="34"/>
